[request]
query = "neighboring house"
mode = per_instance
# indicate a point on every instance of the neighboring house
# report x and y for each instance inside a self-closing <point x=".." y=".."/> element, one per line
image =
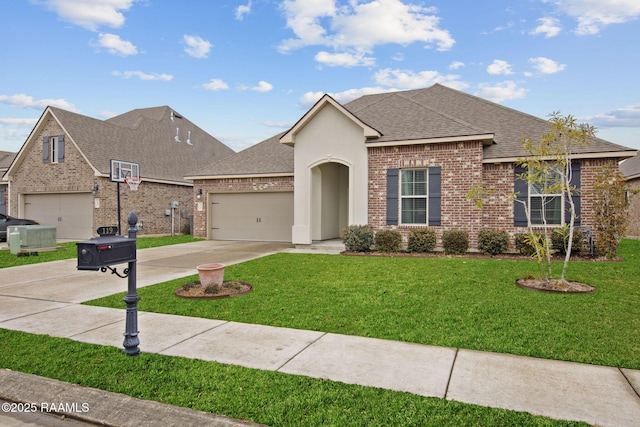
<point x="630" y="168"/>
<point x="61" y="175"/>
<point x="6" y="158"/>
<point x="395" y="160"/>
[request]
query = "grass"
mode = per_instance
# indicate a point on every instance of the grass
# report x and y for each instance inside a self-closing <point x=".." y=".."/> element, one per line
<point x="68" y="250"/>
<point x="453" y="302"/>
<point x="265" y="397"/>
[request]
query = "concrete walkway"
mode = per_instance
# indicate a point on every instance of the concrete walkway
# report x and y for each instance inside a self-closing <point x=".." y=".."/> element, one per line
<point x="45" y="300"/>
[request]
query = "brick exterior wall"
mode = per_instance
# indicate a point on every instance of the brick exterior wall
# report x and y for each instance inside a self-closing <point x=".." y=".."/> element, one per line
<point x="74" y="175"/>
<point x="634" y="209"/>
<point x="461" y="165"/>
<point x="231" y="185"/>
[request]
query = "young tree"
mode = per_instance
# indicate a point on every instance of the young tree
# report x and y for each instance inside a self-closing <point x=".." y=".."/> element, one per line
<point x="550" y="165"/>
<point x="549" y="174"/>
<point x="611" y="206"/>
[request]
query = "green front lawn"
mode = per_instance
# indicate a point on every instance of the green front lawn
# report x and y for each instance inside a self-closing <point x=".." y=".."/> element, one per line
<point x="68" y="250"/>
<point x="454" y="302"/>
<point x="264" y="397"/>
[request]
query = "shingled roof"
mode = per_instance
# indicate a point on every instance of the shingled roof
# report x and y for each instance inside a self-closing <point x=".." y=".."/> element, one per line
<point x="441" y="112"/>
<point x="268" y="157"/>
<point x="630" y="168"/>
<point x="412" y="116"/>
<point x="145" y="136"/>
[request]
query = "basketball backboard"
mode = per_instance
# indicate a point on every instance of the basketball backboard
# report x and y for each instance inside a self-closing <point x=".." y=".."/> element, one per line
<point x="121" y="170"/>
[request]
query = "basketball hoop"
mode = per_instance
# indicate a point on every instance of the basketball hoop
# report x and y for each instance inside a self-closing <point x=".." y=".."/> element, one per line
<point x="132" y="183"/>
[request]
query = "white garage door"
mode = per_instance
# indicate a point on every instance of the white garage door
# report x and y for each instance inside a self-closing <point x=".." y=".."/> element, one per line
<point x="251" y="216"/>
<point x="71" y="214"/>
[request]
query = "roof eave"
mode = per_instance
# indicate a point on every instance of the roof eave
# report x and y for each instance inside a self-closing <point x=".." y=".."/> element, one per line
<point x="603" y="155"/>
<point x="486" y="139"/>
<point x="240" y="176"/>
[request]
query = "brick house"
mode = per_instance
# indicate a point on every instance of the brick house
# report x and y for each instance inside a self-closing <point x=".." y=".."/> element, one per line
<point x="61" y="175"/>
<point x="395" y="160"/>
<point x="6" y="158"/>
<point x="630" y="168"/>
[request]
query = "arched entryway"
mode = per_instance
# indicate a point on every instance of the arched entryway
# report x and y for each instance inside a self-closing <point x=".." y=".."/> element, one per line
<point x="329" y="200"/>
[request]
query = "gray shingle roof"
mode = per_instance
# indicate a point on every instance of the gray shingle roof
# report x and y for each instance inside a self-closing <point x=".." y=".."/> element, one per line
<point x="264" y="158"/>
<point x="630" y="168"/>
<point x="145" y="136"/>
<point x="6" y="157"/>
<point x="439" y="111"/>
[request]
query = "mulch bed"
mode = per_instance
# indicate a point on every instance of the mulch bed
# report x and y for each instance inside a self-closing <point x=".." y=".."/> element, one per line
<point x="230" y="288"/>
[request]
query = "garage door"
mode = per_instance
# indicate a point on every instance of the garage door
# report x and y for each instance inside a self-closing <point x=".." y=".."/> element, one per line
<point x="71" y="214"/>
<point x="251" y="216"/>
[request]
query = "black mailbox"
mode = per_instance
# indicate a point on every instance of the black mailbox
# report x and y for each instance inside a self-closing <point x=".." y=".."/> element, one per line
<point x="104" y="251"/>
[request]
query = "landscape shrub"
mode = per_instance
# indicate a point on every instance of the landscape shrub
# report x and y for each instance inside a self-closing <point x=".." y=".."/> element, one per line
<point x="522" y="244"/>
<point x="560" y="240"/>
<point x="358" y="238"/>
<point x="388" y="241"/>
<point x="455" y="242"/>
<point x="493" y="242"/>
<point x="421" y="240"/>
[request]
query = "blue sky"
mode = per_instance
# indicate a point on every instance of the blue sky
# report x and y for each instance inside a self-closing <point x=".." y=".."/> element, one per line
<point x="246" y="70"/>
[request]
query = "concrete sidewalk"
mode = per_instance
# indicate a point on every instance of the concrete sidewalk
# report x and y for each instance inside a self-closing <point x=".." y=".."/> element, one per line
<point x="600" y="395"/>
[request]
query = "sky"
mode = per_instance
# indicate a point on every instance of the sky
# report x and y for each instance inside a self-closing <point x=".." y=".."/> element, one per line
<point x="246" y="70"/>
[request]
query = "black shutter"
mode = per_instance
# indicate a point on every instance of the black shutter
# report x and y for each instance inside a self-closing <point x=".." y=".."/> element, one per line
<point x="435" y="195"/>
<point x="61" y="149"/>
<point x="45" y="149"/>
<point x="392" y="196"/>
<point x="575" y="196"/>
<point x="521" y="188"/>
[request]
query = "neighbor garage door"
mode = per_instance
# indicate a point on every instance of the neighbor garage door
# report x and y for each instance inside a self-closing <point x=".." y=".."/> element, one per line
<point x="251" y="216"/>
<point x="71" y="214"/>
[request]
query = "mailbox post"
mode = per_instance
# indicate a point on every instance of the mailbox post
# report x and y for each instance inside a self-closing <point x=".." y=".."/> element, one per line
<point x="100" y="253"/>
<point x="131" y="340"/>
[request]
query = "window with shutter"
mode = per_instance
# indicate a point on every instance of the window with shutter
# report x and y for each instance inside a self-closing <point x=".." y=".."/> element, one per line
<point x="413" y="196"/>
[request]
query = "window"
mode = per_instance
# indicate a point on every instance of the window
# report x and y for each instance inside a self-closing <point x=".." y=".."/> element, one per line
<point x="55" y="149"/>
<point x="546" y="203"/>
<point x="413" y="184"/>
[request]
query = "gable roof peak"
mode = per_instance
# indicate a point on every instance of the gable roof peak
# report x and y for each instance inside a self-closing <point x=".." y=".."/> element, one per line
<point x="289" y="136"/>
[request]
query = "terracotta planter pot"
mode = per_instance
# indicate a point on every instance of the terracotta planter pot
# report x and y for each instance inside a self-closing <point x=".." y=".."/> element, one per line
<point x="211" y="273"/>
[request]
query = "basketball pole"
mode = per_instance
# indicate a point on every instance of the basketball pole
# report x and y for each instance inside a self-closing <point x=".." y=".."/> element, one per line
<point x="119" y="214"/>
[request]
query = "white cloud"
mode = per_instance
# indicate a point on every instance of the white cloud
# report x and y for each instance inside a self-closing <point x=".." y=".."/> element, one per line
<point x="549" y="27"/>
<point x="143" y="76"/>
<point x="501" y="92"/>
<point x="406" y="79"/>
<point x="115" y="45"/>
<point x="106" y="114"/>
<point x="310" y="98"/>
<point x="350" y="27"/>
<point x="261" y="87"/>
<point x="389" y="80"/>
<point x="594" y="15"/>
<point x="215" y="84"/>
<point x="456" y="64"/>
<point x="281" y="125"/>
<point x="26" y="101"/>
<point x="546" y="66"/>
<point x="242" y="10"/>
<point x="197" y="47"/>
<point x="344" y="59"/>
<point x="91" y="14"/>
<point x="18" y="121"/>
<point x="499" y="67"/>
<point x="628" y="116"/>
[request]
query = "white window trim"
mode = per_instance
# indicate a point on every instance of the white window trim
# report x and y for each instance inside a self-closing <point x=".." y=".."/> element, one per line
<point x="425" y="197"/>
<point x="544" y="197"/>
<point x="54" y="141"/>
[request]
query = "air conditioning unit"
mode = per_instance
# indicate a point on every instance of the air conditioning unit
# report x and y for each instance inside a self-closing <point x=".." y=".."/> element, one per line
<point x="31" y="238"/>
